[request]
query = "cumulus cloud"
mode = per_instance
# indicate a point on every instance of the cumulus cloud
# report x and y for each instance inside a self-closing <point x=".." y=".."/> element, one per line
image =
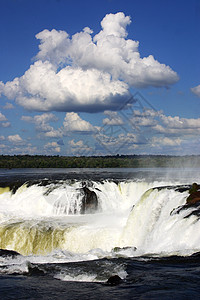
<point x="196" y="90"/>
<point x="165" y="141"/>
<point x="2" y="146"/>
<point x="42" y="124"/>
<point x="2" y="117"/>
<point x="15" y="139"/>
<point x="18" y="149"/>
<point x="54" y="133"/>
<point x="122" y="141"/>
<point x="41" y="88"/>
<point x="180" y="123"/>
<point x="86" y="72"/>
<point x="41" y="121"/>
<point x="53" y="146"/>
<point x="80" y="148"/>
<point x="158" y="122"/>
<point x="3" y="121"/>
<point x="5" y="124"/>
<point x="74" y="123"/>
<point x="109" y="50"/>
<point x="8" y="106"/>
<point x="113" y="118"/>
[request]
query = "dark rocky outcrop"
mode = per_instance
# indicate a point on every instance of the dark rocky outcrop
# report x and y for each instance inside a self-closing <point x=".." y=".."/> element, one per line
<point x="89" y="201"/>
<point x="192" y="202"/>
<point x="8" y="253"/>
<point x="114" y="280"/>
<point x="35" y="270"/>
<point x="118" y="249"/>
<point x="194" y="196"/>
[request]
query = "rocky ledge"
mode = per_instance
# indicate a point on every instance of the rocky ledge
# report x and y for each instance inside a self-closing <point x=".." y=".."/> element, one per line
<point x="194" y="196"/>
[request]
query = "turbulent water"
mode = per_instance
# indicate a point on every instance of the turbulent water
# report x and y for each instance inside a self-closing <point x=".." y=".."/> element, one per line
<point x="73" y="230"/>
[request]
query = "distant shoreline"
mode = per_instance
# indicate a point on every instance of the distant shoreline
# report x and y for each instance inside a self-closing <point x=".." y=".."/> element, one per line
<point x="115" y="161"/>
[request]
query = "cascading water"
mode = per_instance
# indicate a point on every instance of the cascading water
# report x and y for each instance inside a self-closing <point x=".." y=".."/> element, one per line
<point x="38" y="219"/>
<point x="85" y="228"/>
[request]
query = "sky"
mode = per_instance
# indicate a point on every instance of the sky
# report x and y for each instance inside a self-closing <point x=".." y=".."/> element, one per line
<point x="99" y="77"/>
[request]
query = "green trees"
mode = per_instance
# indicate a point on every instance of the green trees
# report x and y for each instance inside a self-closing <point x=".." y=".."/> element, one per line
<point x="119" y="161"/>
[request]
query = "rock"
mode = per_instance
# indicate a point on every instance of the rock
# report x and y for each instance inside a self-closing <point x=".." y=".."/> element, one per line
<point x="196" y="254"/>
<point x="114" y="280"/>
<point x="194" y="188"/>
<point x="194" y="196"/>
<point x="35" y="270"/>
<point x="7" y="253"/>
<point x="118" y="249"/>
<point x="89" y="201"/>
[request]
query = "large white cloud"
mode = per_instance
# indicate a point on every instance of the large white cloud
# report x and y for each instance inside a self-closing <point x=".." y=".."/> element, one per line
<point x="109" y="51"/>
<point x="71" y="89"/>
<point x="85" y="72"/>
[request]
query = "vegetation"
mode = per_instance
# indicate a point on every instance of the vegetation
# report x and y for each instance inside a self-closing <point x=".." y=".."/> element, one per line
<point x="118" y="161"/>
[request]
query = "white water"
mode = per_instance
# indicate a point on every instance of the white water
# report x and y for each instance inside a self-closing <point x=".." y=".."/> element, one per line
<point x="44" y="222"/>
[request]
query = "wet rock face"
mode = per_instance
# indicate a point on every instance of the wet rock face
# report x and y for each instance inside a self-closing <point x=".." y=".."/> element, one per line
<point x="89" y="201"/>
<point x="8" y="253"/>
<point x="114" y="280"/>
<point x="118" y="249"/>
<point x="192" y="203"/>
<point x="194" y="196"/>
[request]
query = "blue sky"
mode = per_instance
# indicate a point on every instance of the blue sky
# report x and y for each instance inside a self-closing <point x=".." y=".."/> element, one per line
<point x="98" y="78"/>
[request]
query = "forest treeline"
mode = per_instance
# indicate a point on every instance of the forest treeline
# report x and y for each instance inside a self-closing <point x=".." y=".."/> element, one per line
<point x="118" y="161"/>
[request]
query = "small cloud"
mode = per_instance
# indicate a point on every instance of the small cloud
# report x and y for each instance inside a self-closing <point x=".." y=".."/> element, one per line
<point x="8" y="106"/>
<point x="2" y="117"/>
<point x="113" y="118"/>
<point x="54" y="133"/>
<point x="42" y="123"/>
<point x="21" y="149"/>
<point x="80" y="148"/>
<point x="53" y="146"/>
<point x="74" y="123"/>
<point x="196" y="90"/>
<point x="2" y="146"/>
<point x="15" y="139"/>
<point x="165" y="141"/>
<point x="5" y="124"/>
